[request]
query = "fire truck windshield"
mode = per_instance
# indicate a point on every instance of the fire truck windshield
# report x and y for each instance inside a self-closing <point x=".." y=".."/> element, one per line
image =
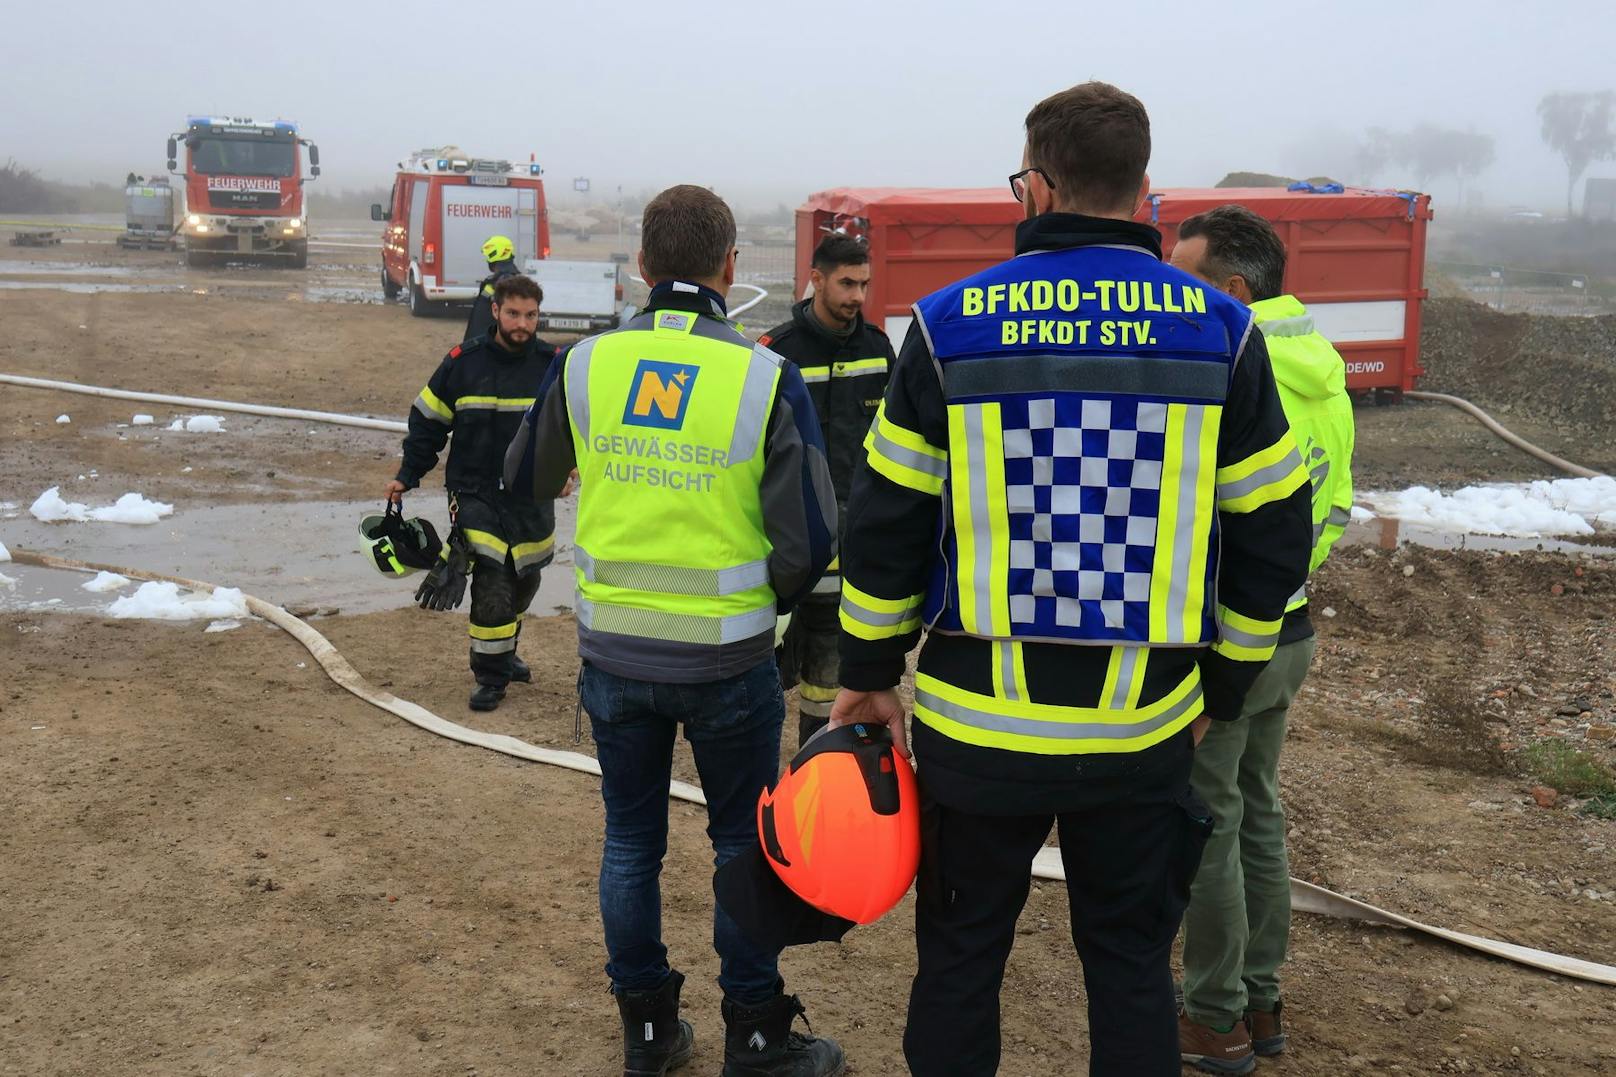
<point x="215" y="156"/>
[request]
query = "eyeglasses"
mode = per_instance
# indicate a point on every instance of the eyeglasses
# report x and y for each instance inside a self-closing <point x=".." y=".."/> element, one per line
<point x="1018" y="182"/>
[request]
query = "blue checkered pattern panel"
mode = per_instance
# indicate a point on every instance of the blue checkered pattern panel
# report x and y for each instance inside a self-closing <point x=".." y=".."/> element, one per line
<point x="1083" y="482"/>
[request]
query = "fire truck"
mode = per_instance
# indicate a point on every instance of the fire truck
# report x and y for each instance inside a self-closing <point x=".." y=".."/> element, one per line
<point x="243" y="188"/>
<point x="445" y="203"/>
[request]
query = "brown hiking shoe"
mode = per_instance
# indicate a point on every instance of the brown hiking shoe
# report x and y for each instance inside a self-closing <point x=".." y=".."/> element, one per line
<point x="1267" y="1032"/>
<point x="1215" y="1052"/>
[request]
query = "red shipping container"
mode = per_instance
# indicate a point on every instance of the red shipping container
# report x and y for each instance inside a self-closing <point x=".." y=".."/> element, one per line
<point x="1356" y="258"/>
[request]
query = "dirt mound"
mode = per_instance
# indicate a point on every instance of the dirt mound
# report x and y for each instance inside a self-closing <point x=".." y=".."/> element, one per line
<point x="1562" y="370"/>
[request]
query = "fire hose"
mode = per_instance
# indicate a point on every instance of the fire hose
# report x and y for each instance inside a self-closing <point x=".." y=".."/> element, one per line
<point x="1305" y="897"/>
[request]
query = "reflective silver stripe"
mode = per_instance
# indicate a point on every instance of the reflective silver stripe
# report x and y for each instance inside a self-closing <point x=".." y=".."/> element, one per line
<point x="1229" y="491"/>
<point x="677" y="627"/>
<point x="829" y="584"/>
<point x="1194" y="379"/>
<point x="981" y="523"/>
<point x="875" y="619"/>
<point x="1029" y="727"/>
<point x="671" y="579"/>
<point x="815" y="374"/>
<point x="1299" y="596"/>
<point x="1299" y="326"/>
<point x="1005" y="654"/>
<point x="753" y="412"/>
<point x="493" y="646"/>
<point x="1189" y="474"/>
<point x="577" y="377"/>
<point x="426" y="409"/>
<point x="814" y="708"/>
<point x="719" y="328"/>
<point x="898" y="454"/>
<point x="1339" y="517"/>
<point x="1240" y="637"/>
<point x="1127" y="669"/>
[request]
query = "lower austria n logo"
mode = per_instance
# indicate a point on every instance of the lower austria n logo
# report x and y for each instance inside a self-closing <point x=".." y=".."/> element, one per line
<point x="659" y="394"/>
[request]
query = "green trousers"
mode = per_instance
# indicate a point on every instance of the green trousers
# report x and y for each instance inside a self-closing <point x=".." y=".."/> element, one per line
<point x="1239" y="918"/>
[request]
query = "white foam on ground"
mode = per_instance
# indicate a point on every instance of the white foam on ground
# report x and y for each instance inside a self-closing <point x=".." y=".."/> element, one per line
<point x="7" y="581"/>
<point x="143" y="420"/>
<point x="162" y="601"/>
<point x="64" y="419"/>
<point x="1360" y="514"/>
<point x="1518" y="510"/>
<point x="5" y="554"/>
<point x="221" y="626"/>
<point x="50" y="507"/>
<point x="106" y="581"/>
<point x="199" y="424"/>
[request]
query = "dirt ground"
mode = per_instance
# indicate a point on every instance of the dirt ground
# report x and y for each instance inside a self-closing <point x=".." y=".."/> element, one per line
<point x="214" y="861"/>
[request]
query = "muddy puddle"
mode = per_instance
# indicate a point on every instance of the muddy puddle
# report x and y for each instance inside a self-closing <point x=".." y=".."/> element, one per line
<point x="1389" y="533"/>
<point x="301" y="555"/>
<point x="244" y="279"/>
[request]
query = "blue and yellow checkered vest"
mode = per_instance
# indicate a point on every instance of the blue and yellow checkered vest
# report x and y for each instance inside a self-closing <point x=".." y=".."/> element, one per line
<point x="1085" y="390"/>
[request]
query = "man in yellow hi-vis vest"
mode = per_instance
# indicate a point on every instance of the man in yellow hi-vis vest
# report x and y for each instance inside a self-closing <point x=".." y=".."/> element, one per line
<point x="1081" y="483"/>
<point x="1238" y="923"/>
<point x="706" y="507"/>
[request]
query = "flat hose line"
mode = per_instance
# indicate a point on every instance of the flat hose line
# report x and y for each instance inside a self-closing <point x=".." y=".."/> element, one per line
<point x="1305" y="897"/>
<point x="1511" y="437"/>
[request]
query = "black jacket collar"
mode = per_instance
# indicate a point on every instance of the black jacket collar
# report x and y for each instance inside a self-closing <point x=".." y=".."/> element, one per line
<point x="682" y="295"/>
<point x="1061" y="231"/>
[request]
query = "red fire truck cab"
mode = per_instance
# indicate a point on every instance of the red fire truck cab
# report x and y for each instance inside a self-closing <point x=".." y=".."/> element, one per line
<point x="444" y="206"/>
<point x="244" y="188"/>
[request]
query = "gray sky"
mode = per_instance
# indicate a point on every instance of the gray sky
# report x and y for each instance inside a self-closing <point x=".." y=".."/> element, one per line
<point x="768" y="101"/>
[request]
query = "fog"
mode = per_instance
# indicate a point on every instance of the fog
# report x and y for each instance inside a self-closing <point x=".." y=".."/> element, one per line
<point x="766" y="102"/>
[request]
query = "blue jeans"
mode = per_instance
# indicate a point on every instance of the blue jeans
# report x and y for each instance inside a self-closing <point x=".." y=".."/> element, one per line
<point x="733" y="727"/>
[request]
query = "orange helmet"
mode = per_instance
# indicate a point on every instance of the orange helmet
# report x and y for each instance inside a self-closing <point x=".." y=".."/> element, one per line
<point x="842" y="826"/>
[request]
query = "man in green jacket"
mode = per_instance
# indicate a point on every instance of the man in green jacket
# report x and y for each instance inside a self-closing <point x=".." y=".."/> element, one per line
<point x="1238" y="921"/>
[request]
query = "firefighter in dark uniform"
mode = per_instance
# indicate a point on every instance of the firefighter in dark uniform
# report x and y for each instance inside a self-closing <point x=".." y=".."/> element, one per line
<point x="479" y="394"/>
<point x="500" y="253"/>
<point x="1083" y="485"/>
<point x="844" y="360"/>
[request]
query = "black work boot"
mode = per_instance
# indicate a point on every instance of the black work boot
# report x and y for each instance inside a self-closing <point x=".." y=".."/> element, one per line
<point x="655" y="1040"/>
<point x="485" y="697"/>
<point x="519" y="671"/>
<point x="759" y="1042"/>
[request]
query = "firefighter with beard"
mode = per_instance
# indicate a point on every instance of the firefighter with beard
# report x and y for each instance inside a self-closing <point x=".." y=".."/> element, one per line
<point x="475" y="402"/>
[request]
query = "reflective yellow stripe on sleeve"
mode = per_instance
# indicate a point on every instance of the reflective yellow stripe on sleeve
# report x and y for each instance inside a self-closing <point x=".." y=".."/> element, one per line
<point x="429" y="405"/>
<point x="867" y="617"/>
<point x="1261" y="478"/>
<point x="1246" y="639"/>
<point x="904" y="456"/>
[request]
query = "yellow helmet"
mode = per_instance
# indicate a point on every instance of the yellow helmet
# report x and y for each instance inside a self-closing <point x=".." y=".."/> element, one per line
<point x="499" y="249"/>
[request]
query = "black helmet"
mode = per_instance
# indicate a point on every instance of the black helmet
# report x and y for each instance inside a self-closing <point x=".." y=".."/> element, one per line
<point x="396" y="546"/>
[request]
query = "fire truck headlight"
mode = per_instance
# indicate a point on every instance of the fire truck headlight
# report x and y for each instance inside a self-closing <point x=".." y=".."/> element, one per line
<point x="295" y="222"/>
<point x="193" y="220"/>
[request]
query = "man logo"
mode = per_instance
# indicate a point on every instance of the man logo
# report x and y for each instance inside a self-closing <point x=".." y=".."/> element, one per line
<point x="659" y="394"/>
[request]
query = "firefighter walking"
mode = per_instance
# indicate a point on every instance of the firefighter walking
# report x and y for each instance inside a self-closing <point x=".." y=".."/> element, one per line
<point x="500" y="254"/>
<point x="1081" y="481"/>
<point x="844" y="360"/>
<point x="474" y="402"/>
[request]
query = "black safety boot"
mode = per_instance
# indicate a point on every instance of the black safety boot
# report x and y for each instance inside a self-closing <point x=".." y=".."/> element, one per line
<point x="759" y="1042"/>
<point x="655" y="1040"/>
<point x="485" y="697"/>
<point x="519" y="671"/>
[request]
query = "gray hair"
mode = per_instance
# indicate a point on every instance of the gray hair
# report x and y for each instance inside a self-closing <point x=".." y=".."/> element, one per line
<point x="1240" y="243"/>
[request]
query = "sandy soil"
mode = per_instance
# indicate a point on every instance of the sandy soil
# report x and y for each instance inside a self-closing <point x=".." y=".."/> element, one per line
<point x="213" y="861"/>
